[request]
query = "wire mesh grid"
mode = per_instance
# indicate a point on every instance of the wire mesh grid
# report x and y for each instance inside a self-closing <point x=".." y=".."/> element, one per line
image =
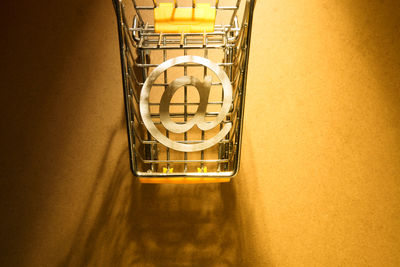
<point x="143" y="51"/>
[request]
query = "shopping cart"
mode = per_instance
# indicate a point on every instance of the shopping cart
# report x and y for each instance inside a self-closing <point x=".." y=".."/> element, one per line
<point x="184" y="69"/>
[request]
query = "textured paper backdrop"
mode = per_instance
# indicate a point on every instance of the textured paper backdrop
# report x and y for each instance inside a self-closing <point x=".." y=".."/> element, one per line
<point x="320" y="178"/>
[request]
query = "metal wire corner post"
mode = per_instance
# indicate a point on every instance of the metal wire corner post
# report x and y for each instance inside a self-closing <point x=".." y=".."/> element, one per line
<point x="118" y="11"/>
<point x="244" y="85"/>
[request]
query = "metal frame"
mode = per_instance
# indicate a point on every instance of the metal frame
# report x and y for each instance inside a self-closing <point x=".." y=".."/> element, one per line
<point x="137" y="42"/>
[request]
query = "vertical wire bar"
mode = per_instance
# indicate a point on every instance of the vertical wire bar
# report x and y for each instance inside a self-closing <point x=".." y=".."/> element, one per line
<point x="154" y="3"/>
<point x="216" y="4"/>
<point x="202" y="132"/>
<point x="165" y="88"/>
<point x="149" y="137"/>
<point x="193" y="3"/>
<point x="182" y="39"/>
<point x="230" y="58"/>
<point x="123" y="42"/>
<point x="230" y="73"/>
<point x="249" y="16"/>
<point x="221" y="146"/>
<point x="160" y="38"/>
<point x="185" y="109"/>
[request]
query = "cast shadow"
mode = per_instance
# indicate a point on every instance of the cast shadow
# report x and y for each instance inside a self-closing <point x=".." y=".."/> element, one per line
<point x="40" y="105"/>
<point x="378" y="28"/>
<point x="126" y="223"/>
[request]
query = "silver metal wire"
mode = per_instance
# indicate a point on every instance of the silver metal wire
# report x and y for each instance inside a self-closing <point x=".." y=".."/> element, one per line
<point x="140" y="44"/>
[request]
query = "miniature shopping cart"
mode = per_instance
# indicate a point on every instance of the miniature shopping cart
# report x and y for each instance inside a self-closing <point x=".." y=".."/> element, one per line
<point x="184" y="69"/>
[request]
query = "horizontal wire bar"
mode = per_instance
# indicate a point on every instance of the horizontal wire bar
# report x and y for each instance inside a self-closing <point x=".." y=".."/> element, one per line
<point x="219" y="7"/>
<point x="166" y="84"/>
<point x="158" y="122"/>
<point x="157" y="175"/>
<point x="183" y="141"/>
<point x="226" y="8"/>
<point x="216" y="26"/>
<point x="180" y="115"/>
<point x="188" y="43"/>
<point x="187" y="104"/>
<point x="181" y="65"/>
<point x="152" y="33"/>
<point x="156" y="47"/>
<point x="181" y="161"/>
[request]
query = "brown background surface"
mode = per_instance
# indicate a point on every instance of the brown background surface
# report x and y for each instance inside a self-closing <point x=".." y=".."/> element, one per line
<point x="320" y="178"/>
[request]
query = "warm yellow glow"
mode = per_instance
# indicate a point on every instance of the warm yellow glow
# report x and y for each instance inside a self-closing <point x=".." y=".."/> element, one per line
<point x="319" y="183"/>
<point x="167" y="18"/>
<point x="189" y="180"/>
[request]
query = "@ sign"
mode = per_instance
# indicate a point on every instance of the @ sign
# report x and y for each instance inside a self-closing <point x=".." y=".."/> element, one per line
<point x="203" y="87"/>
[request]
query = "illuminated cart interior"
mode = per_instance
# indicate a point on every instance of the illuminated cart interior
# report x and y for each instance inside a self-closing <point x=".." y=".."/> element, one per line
<point x="184" y="68"/>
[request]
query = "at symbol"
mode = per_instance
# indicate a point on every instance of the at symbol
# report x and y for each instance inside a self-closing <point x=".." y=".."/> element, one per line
<point x="203" y="87"/>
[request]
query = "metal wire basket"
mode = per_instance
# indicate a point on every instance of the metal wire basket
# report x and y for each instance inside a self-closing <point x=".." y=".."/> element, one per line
<point x="184" y="91"/>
